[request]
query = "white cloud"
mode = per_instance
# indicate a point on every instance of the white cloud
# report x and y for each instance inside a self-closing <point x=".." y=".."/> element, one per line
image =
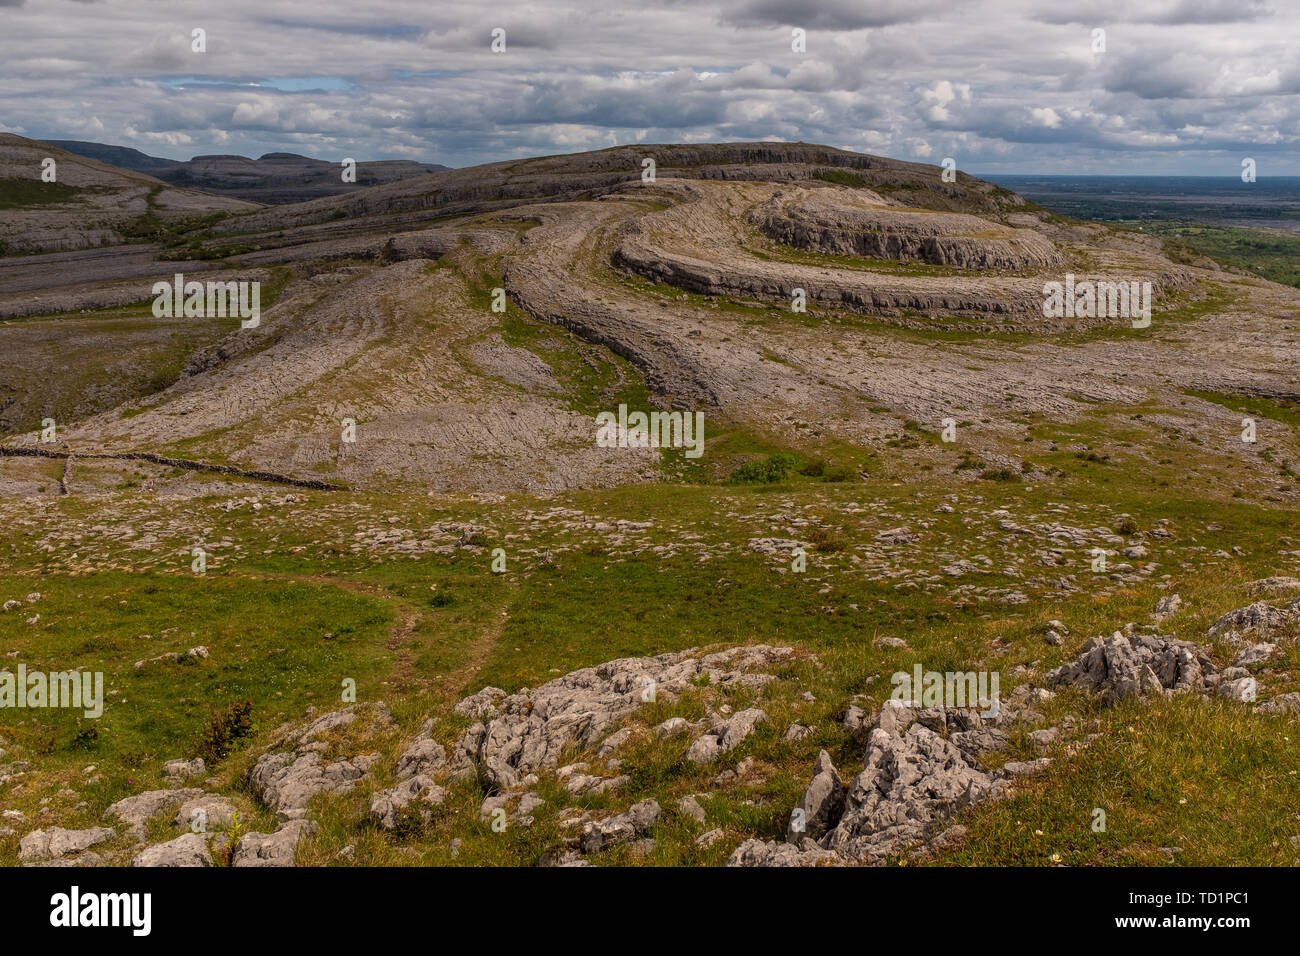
<point x="1003" y="83"/>
<point x="1045" y="117"/>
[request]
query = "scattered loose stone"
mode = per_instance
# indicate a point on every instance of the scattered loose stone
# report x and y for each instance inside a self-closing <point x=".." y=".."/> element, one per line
<point x="273" y="849"/>
<point x="1254" y="655"/>
<point x="706" y="840"/>
<point x="1242" y="689"/>
<point x="797" y="732"/>
<point x="855" y="718"/>
<point x="1017" y="768"/>
<point x="56" y="842"/>
<point x="1042" y="739"/>
<point x="725" y="736"/>
<point x="388" y="806"/>
<point x="1274" y="585"/>
<point x="821" y="806"/>
<point x="690" y="807"/>
<point x="673" y="725"/>
<point x="1167" y="607"/>
<point x="190" y="849"/>
<point x="1282" y="704"/>
<point x="183" y="769"/>
<point x="598" y="835"/>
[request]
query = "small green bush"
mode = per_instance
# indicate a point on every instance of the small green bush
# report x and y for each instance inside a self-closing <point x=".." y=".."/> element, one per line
<point x="225" y="732"/>
<point x="774" y="468"/>
<point x="841" y="177"/>
<point x="86" y="737"/>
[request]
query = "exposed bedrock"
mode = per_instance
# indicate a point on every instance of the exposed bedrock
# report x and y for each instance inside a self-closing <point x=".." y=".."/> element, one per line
<point x="824" y="223"/>
<point x="865" y="292"/>
<point x="694" y="245"/>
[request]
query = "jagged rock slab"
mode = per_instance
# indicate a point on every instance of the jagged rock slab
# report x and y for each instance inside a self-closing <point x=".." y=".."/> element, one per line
<point x="288" y="782"/>
<point x="912" y="779"/>
<point x="1120" y="667"/>
<point x="826" y="221"/>
<point x="521" y="734"/>
<point x="1260" y="619"/>
<point x="287" y="779"/>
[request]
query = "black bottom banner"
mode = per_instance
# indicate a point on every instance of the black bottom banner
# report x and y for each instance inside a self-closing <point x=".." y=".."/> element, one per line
<point x="339" y="905"/>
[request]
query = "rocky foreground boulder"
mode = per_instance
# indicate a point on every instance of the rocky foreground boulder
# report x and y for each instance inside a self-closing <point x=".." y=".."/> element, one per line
<point x="287" y="779"/>
<point x="190" y="849"/>
<point x="519" y="735"/>
<point x="1260" y="619"/>
<point x="919" y="767"/>
<point x="1121" y="666"/>
<point x="1131" y="665"/>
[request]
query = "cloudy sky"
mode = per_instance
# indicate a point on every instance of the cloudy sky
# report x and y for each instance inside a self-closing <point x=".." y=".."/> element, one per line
<point x="1003" y="86"/>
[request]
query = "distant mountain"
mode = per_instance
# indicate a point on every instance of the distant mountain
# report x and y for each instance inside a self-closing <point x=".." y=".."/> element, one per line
<point x="276" y="178"/>
<point x="123" y="157"/>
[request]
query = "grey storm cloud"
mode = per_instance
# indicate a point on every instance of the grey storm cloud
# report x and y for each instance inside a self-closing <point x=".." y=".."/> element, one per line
<point x="832" y="14"/>
<point x="1168" y="12"/>
<point x="1001" y="85"/>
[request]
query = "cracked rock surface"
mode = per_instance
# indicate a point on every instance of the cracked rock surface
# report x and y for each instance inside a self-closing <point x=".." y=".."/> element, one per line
<point x="520" y="734"/>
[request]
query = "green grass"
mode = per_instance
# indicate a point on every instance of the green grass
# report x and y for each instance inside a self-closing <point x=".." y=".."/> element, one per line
<point x="1280" y="410"/>
<point x="593" y="379"/>
<point x="1204" y="778"/>
<point x="267" y="641"/>
<point x="1266" y="252"/>
<point x="25" y="193"/>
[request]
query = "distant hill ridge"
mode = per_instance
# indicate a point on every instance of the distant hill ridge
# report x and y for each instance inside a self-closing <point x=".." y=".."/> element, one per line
<point x="275" y="178"/>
